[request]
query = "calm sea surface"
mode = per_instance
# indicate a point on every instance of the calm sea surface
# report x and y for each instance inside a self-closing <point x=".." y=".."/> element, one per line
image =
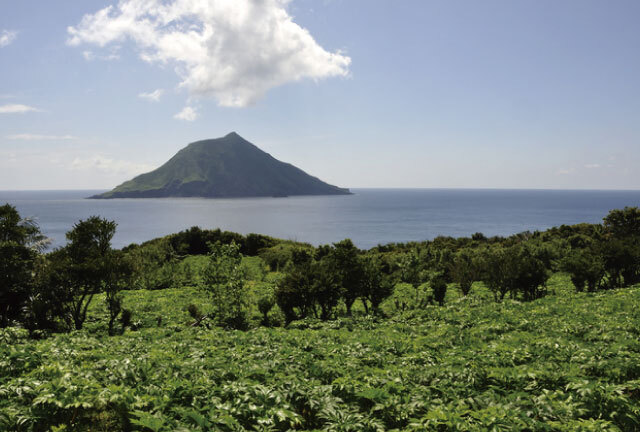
<point x="369" y="217"/>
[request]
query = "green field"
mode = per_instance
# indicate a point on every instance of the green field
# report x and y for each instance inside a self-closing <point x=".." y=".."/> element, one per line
<point x="569" y="361"/>
<point x="206" y="330"/>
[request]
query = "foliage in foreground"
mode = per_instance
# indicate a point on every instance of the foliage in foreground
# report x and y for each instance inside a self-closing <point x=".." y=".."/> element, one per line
<point x="442" y="359"/>
<point x="565" y="362"/>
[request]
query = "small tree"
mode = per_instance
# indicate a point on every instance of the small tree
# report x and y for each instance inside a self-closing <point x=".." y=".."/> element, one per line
<point x="266" y="301"/>
<point x="621" y="258"/>
<point x="45" y="307"/>
<point x="623" y="224"/>
<point x="87" y="263"/>
<point x="585" y="268"/>
<point x="345" y="263"/>
<point x="118" y="272"/>
<point x="531" y="272"/>
<point x="621" y="247"/>
<point x="326" y="288"/>
<point x="515" y="270"/>
<point x="438" y="282"/>
<point x="224" y="280"/>
<point x="24" y="231"/>
<point x="495" y="271"/>
<point x="75" y="273"/>
<point x="16" y="267"/>
<point x="294" y="292"/>
<point x="378" y="282"/>
<point x="465" y="270"/>
<point x="277" y="257"/>
<point x="411" y="273"/>
<point x="20" y="242"/>
<point x="153" y="264"/>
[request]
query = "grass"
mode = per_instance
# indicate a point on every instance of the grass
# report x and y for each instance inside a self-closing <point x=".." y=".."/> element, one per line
<point x="570" y="361"/>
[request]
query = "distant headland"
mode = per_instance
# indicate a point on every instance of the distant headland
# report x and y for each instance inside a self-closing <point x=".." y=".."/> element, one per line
<point x="227" y="167"/>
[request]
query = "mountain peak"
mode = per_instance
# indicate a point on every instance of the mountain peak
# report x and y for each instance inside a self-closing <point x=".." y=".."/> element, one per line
<point x="219" y="168"/>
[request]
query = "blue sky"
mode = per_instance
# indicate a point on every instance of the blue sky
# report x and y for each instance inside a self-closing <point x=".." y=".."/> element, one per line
<point x="361" y="93"/>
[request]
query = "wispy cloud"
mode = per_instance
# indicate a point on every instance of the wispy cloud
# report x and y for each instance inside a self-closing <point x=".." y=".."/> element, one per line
<point x="233" y="51"/>
<point x="592" y="166"/>
<point x="7" y="37"/>
<point x="37" y="137"/>
<point x="109" y="165"/>
<point x="153" y="96"/>
<point x="90" y="56"/>
<point x="187" y="114"/>
<point x="565" y="171"/>
<point x="17" y="109"/>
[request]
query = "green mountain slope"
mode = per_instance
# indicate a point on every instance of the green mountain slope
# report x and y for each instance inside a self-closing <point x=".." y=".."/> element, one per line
<point x="224" y="167"/>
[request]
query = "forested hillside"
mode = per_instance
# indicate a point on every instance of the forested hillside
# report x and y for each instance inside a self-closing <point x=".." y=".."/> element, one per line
<point x="229" y="166"/>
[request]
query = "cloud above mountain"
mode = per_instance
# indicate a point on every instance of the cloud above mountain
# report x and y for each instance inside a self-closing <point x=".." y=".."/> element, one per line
<point x="153" y="96"/>
<point x="108" y="165"/>
<point x="17" y="109"/>
<point x="6" y="37"/>
<point x="187" y="114"/>
<point x="232" y="51"/>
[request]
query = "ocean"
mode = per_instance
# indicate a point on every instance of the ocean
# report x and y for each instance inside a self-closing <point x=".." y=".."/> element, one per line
<point x="369" y="217"/>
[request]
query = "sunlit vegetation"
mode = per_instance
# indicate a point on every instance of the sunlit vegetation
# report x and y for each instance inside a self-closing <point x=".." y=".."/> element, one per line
<point x="210" y="330"/>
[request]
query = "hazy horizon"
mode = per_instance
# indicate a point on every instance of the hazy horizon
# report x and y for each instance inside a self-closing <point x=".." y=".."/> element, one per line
<point x="348" y="187"/>
<point x="415" y="94"/>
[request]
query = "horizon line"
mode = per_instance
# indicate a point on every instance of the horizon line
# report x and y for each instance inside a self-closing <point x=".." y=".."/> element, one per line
<point x="384" y="188"/>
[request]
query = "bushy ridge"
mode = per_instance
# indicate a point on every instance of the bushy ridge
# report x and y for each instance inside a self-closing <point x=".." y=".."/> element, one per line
<point x="52" y="292"/>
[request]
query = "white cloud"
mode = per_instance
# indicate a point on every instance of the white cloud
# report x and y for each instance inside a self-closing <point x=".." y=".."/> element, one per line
<point x="153" y="96"/>
<point x="108" y="165"/>
<point x="37" y="137"/>
<point x="565" y="171"/>
<point x="16" y="109"/>
<point x="233" y="51"/>
<point x="90" y="56"/>
<point x="592" y="166"/>
<point x="187" y="114"/>
<point x="6" y="37"/>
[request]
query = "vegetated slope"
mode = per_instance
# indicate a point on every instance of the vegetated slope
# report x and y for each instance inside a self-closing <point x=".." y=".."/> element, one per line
<point x="567" y="362"/>
<point x="225" y="167"/>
